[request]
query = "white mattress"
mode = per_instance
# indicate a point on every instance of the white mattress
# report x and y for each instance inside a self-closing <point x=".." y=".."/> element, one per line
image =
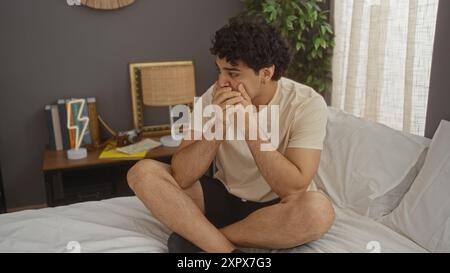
<point x="125" y="225"/>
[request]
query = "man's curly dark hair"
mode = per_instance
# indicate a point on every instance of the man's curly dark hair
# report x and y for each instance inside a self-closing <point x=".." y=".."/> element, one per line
<point x="254" y="42"/>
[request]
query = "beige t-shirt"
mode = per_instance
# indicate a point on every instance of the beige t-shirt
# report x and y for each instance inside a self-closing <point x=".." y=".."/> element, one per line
<point x="302" y="124"/>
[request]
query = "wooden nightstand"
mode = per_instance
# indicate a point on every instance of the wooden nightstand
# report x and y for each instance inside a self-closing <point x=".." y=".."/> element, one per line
<point x="89" y="179"/>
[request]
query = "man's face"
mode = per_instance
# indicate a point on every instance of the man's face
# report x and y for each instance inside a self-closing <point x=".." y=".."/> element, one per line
<point x="232" y="75"/>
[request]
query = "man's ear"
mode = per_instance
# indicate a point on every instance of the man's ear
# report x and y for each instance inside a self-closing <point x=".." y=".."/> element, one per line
<point x="268" y="73"/>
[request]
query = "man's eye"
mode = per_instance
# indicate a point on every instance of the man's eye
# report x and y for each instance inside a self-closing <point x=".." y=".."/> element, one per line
<point x="233" y="75"/>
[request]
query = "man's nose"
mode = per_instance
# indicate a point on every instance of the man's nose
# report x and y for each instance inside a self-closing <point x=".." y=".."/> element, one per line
<point x="223" y="81"/>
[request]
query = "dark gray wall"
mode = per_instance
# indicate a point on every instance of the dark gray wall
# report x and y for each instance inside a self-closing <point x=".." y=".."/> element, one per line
<point x="2" y="196"/>
<point x="49" y="50"/>
<point x="439" y="99"/>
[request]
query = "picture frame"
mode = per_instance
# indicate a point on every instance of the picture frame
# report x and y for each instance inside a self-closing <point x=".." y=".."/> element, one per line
<point x="137" y="98"/>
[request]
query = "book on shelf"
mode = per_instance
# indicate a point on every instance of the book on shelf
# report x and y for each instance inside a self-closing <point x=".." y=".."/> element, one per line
<point x="87" y="136"/>
<point x="70" y="122"/>
<point x="94" y="126"/>
<point x="63" y="121"/>
<point x="57" y="128"/>
<point x="51" y="134"/>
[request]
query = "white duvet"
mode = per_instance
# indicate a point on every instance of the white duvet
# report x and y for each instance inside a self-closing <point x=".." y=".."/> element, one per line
<point x="125" y="225"/>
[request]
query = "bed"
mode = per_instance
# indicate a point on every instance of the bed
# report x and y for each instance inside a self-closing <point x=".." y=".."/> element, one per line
<point x="383" y="185"/>
<point x="124" y="225"/>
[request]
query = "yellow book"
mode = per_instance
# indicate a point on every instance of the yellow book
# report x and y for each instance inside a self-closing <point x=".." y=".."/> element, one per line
<point x="110" y="152"/>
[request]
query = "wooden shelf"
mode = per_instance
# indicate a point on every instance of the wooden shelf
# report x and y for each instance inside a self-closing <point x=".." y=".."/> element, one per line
<point x="91" y="178"/>
<point x="57" y="160"/>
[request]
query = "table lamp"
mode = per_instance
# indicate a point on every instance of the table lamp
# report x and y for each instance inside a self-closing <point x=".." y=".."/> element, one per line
<point x="78" y="123"/>
<point x="167" y="84"/>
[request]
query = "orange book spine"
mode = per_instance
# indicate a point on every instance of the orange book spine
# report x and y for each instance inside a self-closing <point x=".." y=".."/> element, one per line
<point x="93" y="122"/>
<point x="71" y="131"/>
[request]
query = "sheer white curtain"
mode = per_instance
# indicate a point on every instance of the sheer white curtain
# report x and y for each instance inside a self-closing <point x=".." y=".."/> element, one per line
<point x="382" y="60"/>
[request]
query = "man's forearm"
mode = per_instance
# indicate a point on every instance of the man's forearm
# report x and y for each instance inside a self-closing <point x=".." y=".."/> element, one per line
<point x="284" y="177"/>
<point x="192" y="161"/>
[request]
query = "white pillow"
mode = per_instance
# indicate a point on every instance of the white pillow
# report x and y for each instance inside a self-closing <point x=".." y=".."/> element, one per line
<point x="424" y="213"/>
<point x="366" y="166"/>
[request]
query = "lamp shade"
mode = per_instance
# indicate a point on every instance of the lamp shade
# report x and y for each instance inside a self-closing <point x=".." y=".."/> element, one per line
<point x="166" y="84"/>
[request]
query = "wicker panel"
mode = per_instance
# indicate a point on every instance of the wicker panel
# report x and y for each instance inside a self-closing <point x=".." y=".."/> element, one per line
<point x="168" y="85"/>
<point x="107" y="4"/>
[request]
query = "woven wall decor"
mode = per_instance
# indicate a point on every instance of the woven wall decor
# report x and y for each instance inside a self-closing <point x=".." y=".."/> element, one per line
<point x="106" y="4"/>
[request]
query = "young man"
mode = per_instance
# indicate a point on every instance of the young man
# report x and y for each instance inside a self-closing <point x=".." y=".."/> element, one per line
<point x="261" y="199"/>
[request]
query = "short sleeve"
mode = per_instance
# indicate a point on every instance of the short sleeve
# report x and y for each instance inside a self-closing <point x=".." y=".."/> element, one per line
<point x="308" y="130"/>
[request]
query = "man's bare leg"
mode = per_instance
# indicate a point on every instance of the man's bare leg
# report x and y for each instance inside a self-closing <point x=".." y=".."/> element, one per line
<point x="157" y="189"/>
<point x="295" y="221"/>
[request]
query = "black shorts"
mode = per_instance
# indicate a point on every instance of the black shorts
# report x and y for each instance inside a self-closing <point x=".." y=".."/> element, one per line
<point x="222" y="208"/>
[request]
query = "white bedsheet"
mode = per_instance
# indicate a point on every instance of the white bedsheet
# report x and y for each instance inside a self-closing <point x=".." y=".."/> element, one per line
<point x="353" y="233"/>
<point x="125" y="225"/>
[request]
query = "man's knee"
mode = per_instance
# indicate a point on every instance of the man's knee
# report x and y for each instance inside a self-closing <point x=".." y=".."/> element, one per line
<point x="315" y="212"/>
<point x="144" y="171"/>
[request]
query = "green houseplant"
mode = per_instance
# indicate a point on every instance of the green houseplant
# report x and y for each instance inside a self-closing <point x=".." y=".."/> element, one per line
<point x="305" y="24"/>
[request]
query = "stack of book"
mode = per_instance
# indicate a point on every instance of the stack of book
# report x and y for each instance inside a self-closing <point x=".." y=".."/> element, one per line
<point x="58" y="117"/>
